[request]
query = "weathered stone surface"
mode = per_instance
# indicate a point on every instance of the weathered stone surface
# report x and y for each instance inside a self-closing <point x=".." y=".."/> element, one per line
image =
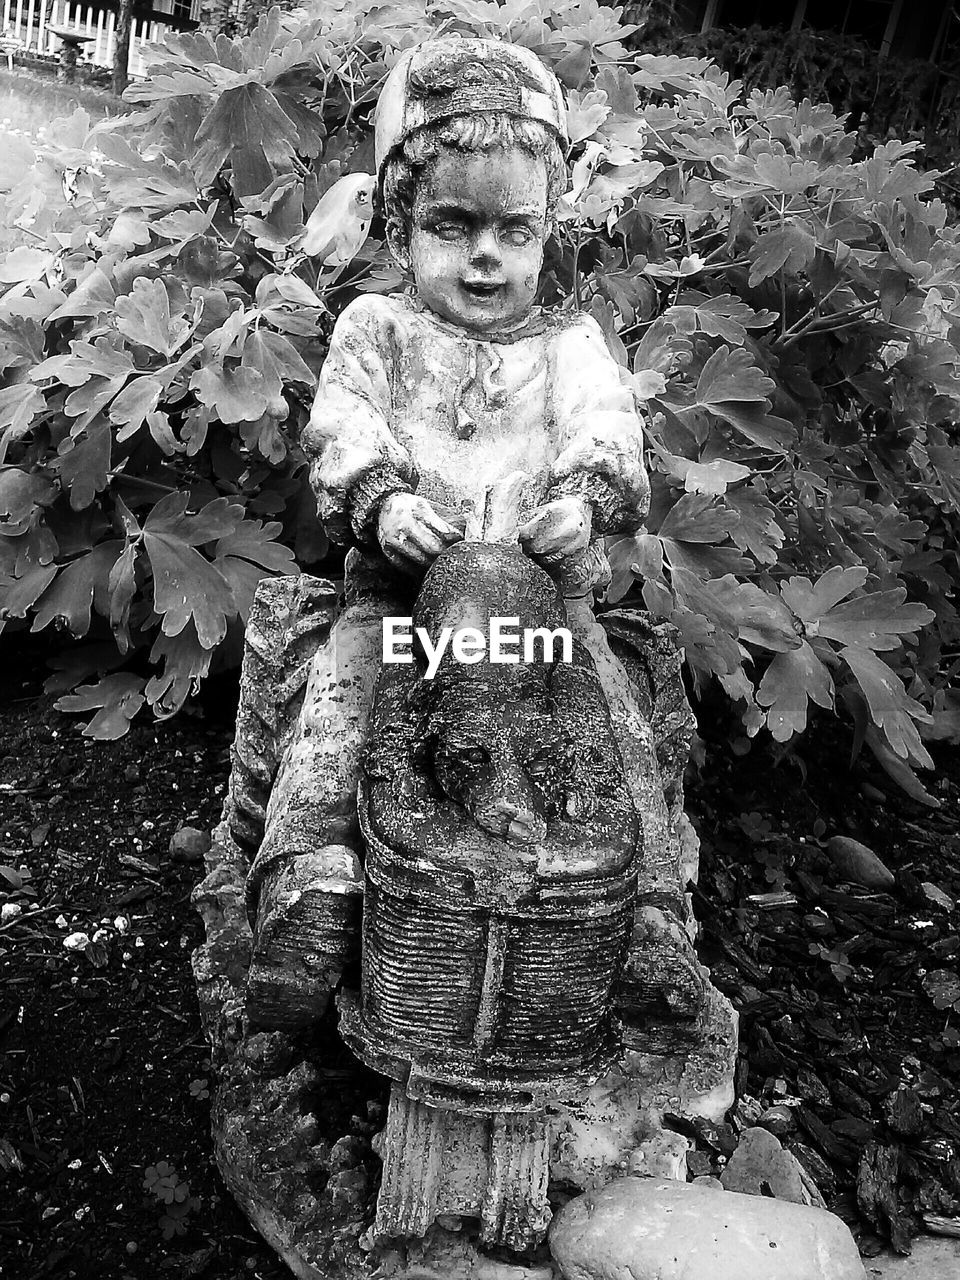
<point x="640" y="1229"/>
<point x="761" y="1167"/>
<point x="663" y="1155"/>
<point x="689" y="1075"/>
<point x="308" y="928"/>
<point x="859" y="863"/>
<point x="779" y="1119"/>
<point x="189" y="844"/>
<point x="707" y="1180"/>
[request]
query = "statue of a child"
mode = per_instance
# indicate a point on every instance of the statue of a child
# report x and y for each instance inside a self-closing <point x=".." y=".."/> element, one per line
<point x="425" y="401"/>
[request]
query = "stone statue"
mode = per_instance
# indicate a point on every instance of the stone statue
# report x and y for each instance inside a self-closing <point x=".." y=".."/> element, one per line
<point x="511" y="833"/>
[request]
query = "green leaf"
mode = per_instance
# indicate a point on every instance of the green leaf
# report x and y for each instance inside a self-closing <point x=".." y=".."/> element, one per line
<point x="185" y="663"/>
<point x="706" y="477"/>
<point x="19" y="594"/>
<point x="247" y="125"/>
<point x="769" y="433"/>
<point x="93" y="296"/>
<point x="248" y="554"/>
<point x="810" y="602"/>
<point x="20" y="403"/>
<point x="696" y="517"/>
<point x="791" y="681"/>
<point x="121" y="587"/>
<point x="898" y="769"/>
<point x="892" y="708"/>
<point x="875" y="621"/>
<point x="84" y="465"/>
<point x="945" y="461"/>
<point x="757" y="530"/>
<point x="742" y="609"/>
<point x="21" y="493"/>
<point x="143" y="316"/>
<point x="731" y="375"/>
<point x="24" y="264"/>
<point x="585" y="113"/>
<point x="185" y="584"/>
<point x="70" y="596"/>
<point x="118" y="698"/>
<point x="234" y="395"/>
<point x="130" y="408"/>
<point x="724" y="316"/>
<point x="789" y="248"/>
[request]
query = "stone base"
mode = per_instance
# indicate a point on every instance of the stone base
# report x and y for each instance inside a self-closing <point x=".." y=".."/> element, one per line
<point x="294" y="1118"/>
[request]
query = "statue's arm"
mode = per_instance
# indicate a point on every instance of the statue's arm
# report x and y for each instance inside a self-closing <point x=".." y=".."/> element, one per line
<point x="355" y="461"/>
<point x="600" y="433"/>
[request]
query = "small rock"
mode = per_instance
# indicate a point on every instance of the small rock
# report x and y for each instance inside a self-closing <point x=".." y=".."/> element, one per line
<point x="641" y="1229"/>
<point x="76" y="941"/>
<point x="748" y="1111"/>
<point x="815" y="1167"/>
<point x="699" y="1164"/>
<point x="662" y="1156"/>
<point x="904" y="1112"/>
<point x="707" y="1180"/>
<point x="346" y="1153"/>
<point x="858" y="862"/>
<point x="349" y="1186"/>
<point x="778" y="1120"/>
<point x="189" y="844"/>
<point x="760" y="1166"/>
<point x="9" y="911"/>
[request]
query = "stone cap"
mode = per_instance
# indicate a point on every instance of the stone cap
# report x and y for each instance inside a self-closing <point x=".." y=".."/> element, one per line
<point x="455" y="75"/>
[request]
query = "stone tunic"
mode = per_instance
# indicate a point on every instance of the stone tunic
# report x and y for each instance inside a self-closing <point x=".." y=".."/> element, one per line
<point x="409" y="401"/>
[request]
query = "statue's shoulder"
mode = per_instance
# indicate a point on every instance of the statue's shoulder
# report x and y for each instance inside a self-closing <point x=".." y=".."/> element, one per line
<point x="375" y="314"/>
<point x="566" y="325"/>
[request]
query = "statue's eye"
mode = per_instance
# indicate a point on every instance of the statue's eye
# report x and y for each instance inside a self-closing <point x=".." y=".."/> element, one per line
<point x="517" y="236"/>
<point x="448" y="230"/>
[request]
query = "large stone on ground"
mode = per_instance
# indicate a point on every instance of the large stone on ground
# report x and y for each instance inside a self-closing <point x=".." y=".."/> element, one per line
<point x="761" y="1167"/>
<point x="641" y="1229"/>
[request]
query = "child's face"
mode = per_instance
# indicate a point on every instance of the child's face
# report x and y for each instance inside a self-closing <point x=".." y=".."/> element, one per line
<point x="476" y="239"/>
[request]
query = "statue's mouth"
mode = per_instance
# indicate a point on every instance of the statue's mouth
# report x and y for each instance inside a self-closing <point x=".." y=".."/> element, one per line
<point x="482" y="288"/>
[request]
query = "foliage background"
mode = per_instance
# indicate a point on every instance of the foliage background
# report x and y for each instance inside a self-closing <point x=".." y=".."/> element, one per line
<point x="786" y="309"/>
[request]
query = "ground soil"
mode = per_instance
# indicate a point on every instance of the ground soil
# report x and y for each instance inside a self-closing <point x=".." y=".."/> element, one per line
<point x="104" y="1085"/>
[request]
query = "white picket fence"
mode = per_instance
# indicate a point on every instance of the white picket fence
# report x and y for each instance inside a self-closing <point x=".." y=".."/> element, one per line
<point x="27" y="23"/>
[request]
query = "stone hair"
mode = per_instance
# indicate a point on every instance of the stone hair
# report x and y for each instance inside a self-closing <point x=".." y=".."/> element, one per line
<point x="475" y="132"/>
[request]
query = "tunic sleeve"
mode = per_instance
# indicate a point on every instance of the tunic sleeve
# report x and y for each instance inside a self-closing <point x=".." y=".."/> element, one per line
<point x="599" y="430"/>
<point x="355" y="462"/>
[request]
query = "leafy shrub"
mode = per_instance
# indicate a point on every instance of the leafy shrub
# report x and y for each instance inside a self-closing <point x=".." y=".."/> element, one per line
<point x="787" y="315"/>
<point x="826" y="66"/>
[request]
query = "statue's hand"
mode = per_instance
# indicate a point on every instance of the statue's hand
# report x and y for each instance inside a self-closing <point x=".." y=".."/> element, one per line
<point x="411" y="533"/>
<point x="557" y="531"/>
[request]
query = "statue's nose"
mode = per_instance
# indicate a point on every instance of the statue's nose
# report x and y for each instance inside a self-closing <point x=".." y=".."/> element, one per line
<point x="485" y="249"/>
